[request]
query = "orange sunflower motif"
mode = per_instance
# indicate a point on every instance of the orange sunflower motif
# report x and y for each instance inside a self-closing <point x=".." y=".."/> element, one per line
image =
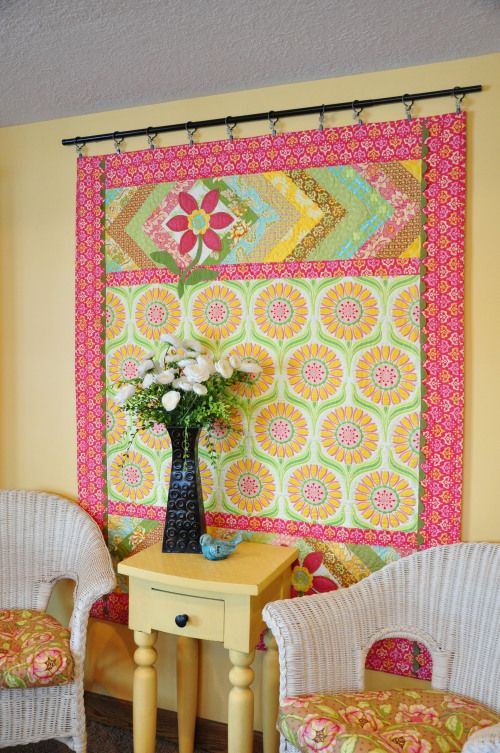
<point x="281" y="430"/>
<point x="386" y="375"/>
<point x="123" y="362"/>
<point x="217" y="312"/>
<point x="207" y="481"/>
<point x="406" y="439"/>
<point x="314" y="372"/>
<point x="250" y="486"/>
<point x="314" y="493"/>
<point x="116" y="423"/>
<point x="155" y="437"/>
<point x="349" y="435"/>
<point x="406" y="313"/>
<point x="157" y="312"/>
<point x="262" y="382"/>
<point x="223" y="439"/>
<point x="385" y="500"/>
<point x="280" y="311"/>
<point x="132" y="477"/>
<point x="115" y="315"/>
<point x="349" y="311"/>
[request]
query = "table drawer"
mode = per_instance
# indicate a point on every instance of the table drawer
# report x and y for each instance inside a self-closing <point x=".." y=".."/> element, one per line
<point x="157" y="609"/>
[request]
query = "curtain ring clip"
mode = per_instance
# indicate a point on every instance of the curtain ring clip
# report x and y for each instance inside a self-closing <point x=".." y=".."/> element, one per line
<point x="459" y="98"/>
<point x="230" y="128"/>
<point x="356" y="111"/>
<point x="152" y="135"/>
<point x="79" y="145"/>
<point x="272" y="122"/>
<point x="117" y="141"/>
<point x="190" y="130"/>
<point x="321" y="118"/>
<point x="407" y="104"/>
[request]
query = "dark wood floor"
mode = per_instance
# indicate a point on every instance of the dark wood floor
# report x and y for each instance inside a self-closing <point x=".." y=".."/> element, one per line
<point x="211" y="736"/>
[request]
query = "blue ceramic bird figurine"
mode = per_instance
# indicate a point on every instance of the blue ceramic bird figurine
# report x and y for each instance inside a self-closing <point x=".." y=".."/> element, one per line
<point x="219" y="549"/>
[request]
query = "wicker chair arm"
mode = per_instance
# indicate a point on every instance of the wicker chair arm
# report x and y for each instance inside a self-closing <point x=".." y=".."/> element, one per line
<point x="95" y="578"/>
<point x="485" y="740"/>
<point x="316" y="639"/>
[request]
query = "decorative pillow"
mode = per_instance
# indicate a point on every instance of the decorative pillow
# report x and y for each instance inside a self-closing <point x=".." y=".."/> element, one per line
<point x="34" y="650"/>
<point x="393" y="721"/>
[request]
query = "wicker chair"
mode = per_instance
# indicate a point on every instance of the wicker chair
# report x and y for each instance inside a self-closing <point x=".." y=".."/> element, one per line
<point x="44" y="539"/>
<point x="447" y="598"/>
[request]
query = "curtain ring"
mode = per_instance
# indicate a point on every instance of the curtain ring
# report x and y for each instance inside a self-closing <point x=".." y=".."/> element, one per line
<point x="272" y="122"/>
<point x="356" y="111"/>
<point x="407" y="105"/>
<point x="321" y="118"/>
<point x="79" y="145"/>
<point x="152" y="135"/>
<point x="459" y="98"/>
<point x="117" y="140"/>
<point x="190" y="132"/>
<point x="230" y="128"/>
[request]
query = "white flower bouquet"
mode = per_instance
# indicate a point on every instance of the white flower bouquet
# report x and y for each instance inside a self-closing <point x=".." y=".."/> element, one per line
<point x="185" y="387"/>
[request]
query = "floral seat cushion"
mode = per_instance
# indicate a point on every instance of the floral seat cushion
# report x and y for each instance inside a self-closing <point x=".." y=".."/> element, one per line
<point x="34" y="650"/>
<point x="394" y="721"/>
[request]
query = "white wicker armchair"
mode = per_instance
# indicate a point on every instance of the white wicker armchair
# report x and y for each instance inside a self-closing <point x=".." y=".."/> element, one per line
<point x="43" y="539"/>
<point x="447" y="598"/>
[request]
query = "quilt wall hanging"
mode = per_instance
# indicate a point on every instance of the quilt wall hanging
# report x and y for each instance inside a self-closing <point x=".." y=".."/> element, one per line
<point x="339" y="269"/>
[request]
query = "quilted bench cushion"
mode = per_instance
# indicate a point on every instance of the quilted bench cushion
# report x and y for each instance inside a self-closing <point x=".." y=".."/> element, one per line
<point x="393" y="721"/>
<point x="34" y="650"/>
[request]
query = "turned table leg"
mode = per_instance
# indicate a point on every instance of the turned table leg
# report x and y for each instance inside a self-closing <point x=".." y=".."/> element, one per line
<point x="187" y="691"/>
<point x="145" y="692"/>
<point x="240" y="705"/>
<point x="270" y="694"/>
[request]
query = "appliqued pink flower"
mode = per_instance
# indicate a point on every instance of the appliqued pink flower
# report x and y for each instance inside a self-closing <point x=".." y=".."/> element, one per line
<point x="318" y="733"/>
<point x="304" y="582"/>
<point x="45" y="664"/>
<point x="364" y="718"/>
<point x="199" y="221"/>
<point x="417" y="713"/>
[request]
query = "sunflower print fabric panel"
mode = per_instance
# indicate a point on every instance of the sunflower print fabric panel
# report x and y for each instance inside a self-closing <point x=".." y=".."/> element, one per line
<point x="332" y="259"/>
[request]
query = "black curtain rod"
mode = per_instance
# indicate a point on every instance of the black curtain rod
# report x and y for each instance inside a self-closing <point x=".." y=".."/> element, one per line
<point x="361" y="104"/>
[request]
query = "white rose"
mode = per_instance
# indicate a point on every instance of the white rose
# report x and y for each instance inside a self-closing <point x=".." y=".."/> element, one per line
<point x="196" y="372"/>
<point x="124" y="393"/>
<point x="149" y="355"/>
<point x="170" y="400"/>
<point x="224" y="368"/>
<point x="186" y="361"/>
<point x="250" y="367"/>
<point x="200" y="389"/>
<point x="182" y="384"/>
<point x="207" y="361"/>
<point x="171" y="358"/>
<point x="148" y="380"/>
<point x="235" y="361"/>
<point x="166" y="377"/>
<point x="145" y="366"/>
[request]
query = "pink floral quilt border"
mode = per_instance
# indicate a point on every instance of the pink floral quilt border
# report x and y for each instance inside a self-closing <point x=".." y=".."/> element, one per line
<point x="442" y="281"/>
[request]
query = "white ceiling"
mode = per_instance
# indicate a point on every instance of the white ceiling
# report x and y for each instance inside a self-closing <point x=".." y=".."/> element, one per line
<point x="60" y="58"/>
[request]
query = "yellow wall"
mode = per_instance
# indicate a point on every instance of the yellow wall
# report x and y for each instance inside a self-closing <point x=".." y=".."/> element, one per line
<point x="37" y="209"/>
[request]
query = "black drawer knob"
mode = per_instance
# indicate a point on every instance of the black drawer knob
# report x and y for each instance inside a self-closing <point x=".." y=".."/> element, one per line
<point x="181" y="620"/>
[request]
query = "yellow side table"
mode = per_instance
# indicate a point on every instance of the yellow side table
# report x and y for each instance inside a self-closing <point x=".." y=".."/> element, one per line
<point x="198" y="599"/>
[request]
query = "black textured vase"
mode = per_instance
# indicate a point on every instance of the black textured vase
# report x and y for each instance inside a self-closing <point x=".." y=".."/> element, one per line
<point x="185" y="521"/>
